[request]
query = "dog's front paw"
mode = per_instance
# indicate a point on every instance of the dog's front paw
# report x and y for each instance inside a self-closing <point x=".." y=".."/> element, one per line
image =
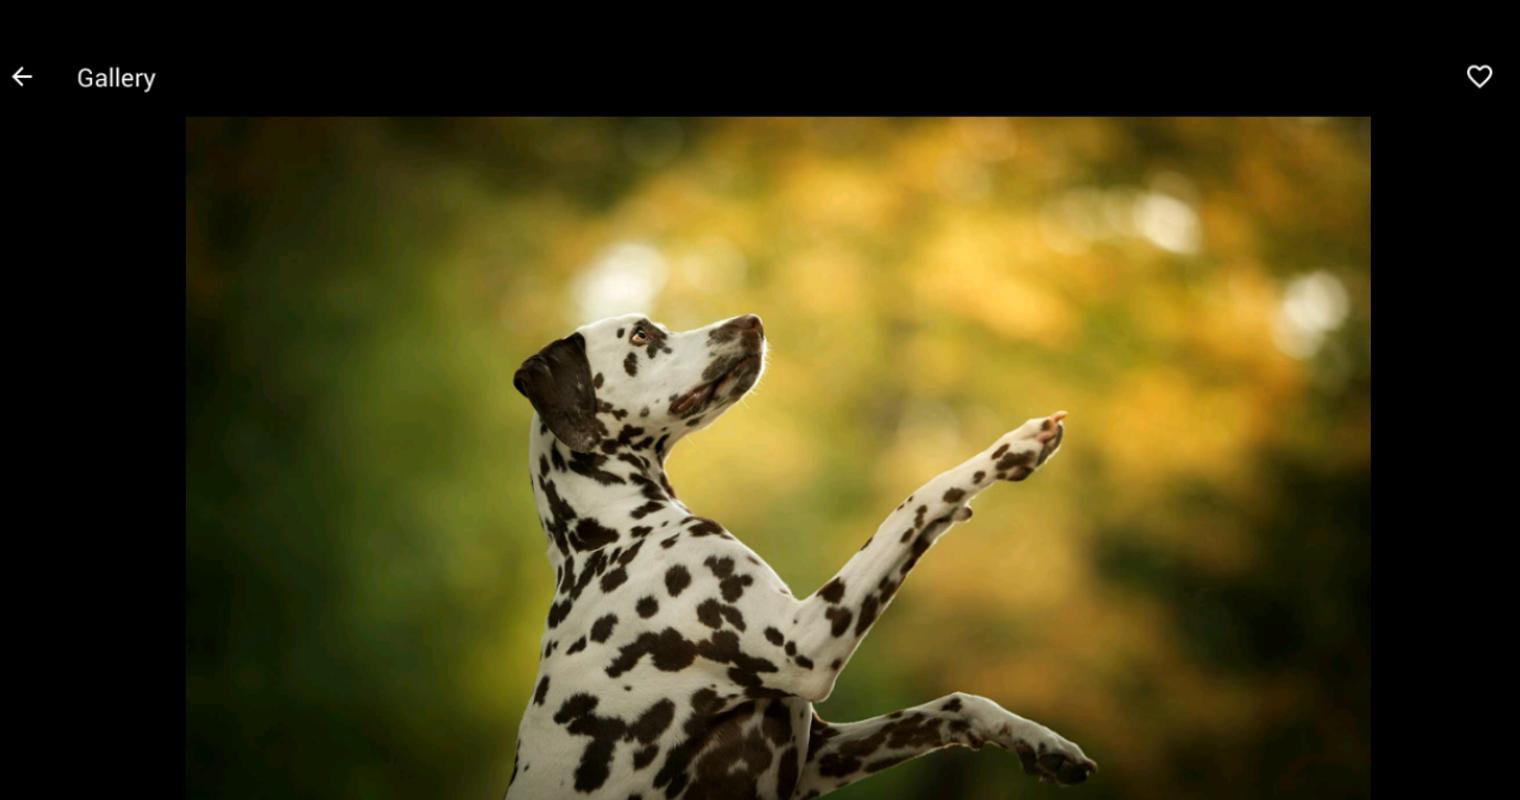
<point x="1050" y="757"/>
<point x="1026" y="448"/>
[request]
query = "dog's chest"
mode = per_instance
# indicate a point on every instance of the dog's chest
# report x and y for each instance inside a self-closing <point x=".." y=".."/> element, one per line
<point x="631" y="693"/>
<point x="691" y="578"/>
<point x="648" y="744"/>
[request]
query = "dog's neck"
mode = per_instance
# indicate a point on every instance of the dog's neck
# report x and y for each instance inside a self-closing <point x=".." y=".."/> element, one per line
<point x="584" y="500"/>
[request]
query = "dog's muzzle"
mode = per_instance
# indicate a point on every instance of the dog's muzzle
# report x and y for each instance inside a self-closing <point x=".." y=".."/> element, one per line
<point x="729" y="376"/>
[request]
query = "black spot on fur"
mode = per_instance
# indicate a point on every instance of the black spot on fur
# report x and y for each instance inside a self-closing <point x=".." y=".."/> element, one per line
<point x="723" y="647"/>
<point x="631" y="364"/>
<point x="646" y="509"/>
<point x="648" y="607"/>
<point x="706" y="702"/>
<point x="1012" y="460"/>
<point x="541" y="691"/>
<point x="833" y="592"/>
<point x="707" y="613"/>
<point x="733" y="586"/>
<point x="868" y="609"/>
<point x="602" y="628"/>
<point x="706" y="527"/>
<point x="590" y="465"/>
<point x="633" y="552"/>
<point x="786" y="775"/>
<point x="670" y="651"/>
<point x="561" y="513"/>
<point x="578" y="716"/>
<point x="556" y="459"/>
<point x="699" y="728"/>
<point x="643" y="758"/>
<point x="627" y="435"/>
<point x="614" y="579"/>
<point x="841" y="618"/>
<point x="653" y="722"/>
<point x="776" y="724"/>
<point x="676" y="579"/>
<point x="921" y="544"/>
<point x="820" y="733"/>
<point x="732" y="615"/>
<point x="720" y="567"/>
<point x="649" y="489"/>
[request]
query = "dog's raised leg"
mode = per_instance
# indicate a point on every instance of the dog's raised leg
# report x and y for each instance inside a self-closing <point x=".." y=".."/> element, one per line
<point x="829" y="625"/>
<point x="840" y="754"/>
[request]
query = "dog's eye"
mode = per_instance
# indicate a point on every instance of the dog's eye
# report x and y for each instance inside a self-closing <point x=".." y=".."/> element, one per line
<point x="639" y="336"/>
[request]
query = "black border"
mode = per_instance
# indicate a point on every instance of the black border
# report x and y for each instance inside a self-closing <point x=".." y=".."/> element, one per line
<point x="1296" y="79"/>
<point x="97" y="233"/>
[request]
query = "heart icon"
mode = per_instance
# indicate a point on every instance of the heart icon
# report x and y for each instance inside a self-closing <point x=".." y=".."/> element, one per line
<point x="1479" y="75"/>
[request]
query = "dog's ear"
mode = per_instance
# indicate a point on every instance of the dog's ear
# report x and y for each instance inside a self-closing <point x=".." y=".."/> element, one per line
<point x="557" y="381"/>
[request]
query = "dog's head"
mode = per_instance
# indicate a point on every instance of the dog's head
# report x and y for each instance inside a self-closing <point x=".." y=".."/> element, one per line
<point x="593" y="386"/>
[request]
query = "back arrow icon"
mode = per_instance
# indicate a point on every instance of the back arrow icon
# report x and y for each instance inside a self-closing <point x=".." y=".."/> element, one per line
<point x="20" y="76"/>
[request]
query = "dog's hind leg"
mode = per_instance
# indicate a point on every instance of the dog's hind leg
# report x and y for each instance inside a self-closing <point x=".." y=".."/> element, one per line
<point x="840" y="754"/>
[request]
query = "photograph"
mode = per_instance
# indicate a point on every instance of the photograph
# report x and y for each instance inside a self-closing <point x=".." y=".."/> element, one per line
<point x="876" y="458"/>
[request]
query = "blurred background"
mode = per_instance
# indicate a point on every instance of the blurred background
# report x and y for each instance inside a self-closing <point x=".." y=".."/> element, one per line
<point x="1184" y="592"/>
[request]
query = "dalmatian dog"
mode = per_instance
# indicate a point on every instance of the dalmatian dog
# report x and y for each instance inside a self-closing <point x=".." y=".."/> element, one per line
<point x="675" y="662"/>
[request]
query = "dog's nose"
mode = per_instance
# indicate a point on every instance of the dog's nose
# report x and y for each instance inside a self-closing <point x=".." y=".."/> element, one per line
<point x="749" y="322"/>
